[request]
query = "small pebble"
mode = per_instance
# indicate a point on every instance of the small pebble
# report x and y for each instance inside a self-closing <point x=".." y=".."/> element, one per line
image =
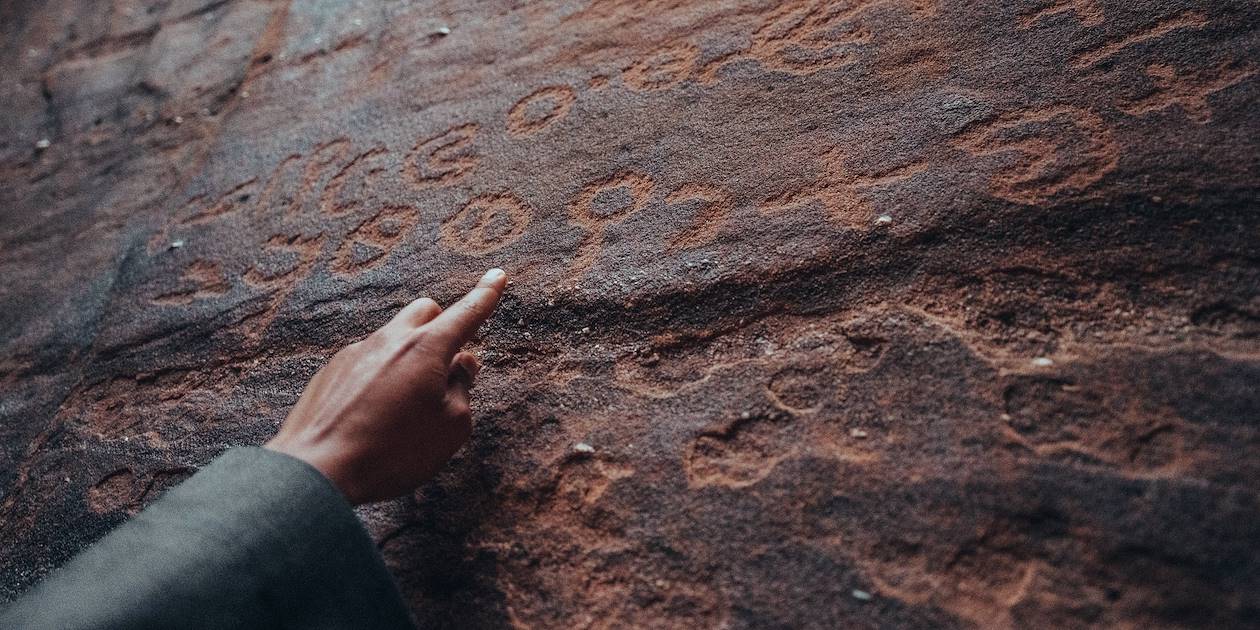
<point x="177" y="244"/>
<point x="862" y="595"/>
<point x="443" y="31"/>
<point x="179" y="120"/>
<point x="586" y="329"/>
<point x="1043" y="362"/>
<point x="858" y="433"/>
<point x="43" y="143"/>
<point x="583" y="447"/>
<point x="883" y="220"/>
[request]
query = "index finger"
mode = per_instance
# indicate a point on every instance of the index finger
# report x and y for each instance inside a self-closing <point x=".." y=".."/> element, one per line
<point x="458" y="323"/>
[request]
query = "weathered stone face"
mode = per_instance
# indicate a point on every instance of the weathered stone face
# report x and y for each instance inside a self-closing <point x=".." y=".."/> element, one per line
<point x="952" y="304"/>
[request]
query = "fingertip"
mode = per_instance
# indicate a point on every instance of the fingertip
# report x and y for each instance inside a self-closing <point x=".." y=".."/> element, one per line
<point x="495" y="278"/>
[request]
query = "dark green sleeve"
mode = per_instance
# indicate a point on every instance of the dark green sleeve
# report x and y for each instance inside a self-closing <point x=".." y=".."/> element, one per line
<point x="255" y="539"/>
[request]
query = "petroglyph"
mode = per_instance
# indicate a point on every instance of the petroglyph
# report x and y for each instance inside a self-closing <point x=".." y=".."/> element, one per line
<point x="278" y="186"/>
<point x="1059" y="419"/>
<point x="286" y="261"/>
<point x="800" y="387"/>
<point x="360" y="174"/>
<point x="582" y="480"/>
<point x="599" y="205"/>
<point x="739" y="455"/>
<point x="597" y="82"/>
<point x="203" y="279"/>
<point x="805" y="37"/>
<point x="1087" y="11"/>
<point x="443" y="159"/>
<point x="323" y="158"/>
<point x="980" y="579"/>
<point x="540" y="109"/>
<point x="487" y="223"/>
<point x="713" y="206"/>
<point x="662" y="69"/>
<point x="1187" y="20"/>
<point x="152" y="406"/>
<point x="1047" y="151"/>
<point x="227" y="203"/>
<point x="366" y="246"/>
<point x="1188" y="90"/>
<point x="840" y="192"/>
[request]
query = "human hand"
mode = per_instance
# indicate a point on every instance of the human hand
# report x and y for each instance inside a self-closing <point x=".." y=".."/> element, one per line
<point x="388" y="411"/>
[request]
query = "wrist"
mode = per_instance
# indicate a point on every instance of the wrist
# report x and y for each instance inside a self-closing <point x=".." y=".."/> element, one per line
<point x="321" y="462"/>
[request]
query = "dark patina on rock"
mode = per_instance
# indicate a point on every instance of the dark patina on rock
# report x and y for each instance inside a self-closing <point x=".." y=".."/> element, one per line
<point x="916" y="313"/>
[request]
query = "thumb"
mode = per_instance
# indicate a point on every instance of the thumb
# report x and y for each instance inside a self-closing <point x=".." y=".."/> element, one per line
<point x="463" y="371"/>
<point x="461" y="375"/>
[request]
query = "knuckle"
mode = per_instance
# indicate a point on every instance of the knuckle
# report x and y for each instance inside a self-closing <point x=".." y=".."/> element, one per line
<point x="427" y="305"/>
<point x="420" y="339"/>
<point x="460" y="410"/>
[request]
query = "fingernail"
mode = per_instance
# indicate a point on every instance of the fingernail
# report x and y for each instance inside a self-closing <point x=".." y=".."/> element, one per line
<point x="494" y="275"/>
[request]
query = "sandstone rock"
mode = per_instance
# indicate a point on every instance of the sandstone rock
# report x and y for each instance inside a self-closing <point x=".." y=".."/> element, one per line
<point x="817" y="252"/>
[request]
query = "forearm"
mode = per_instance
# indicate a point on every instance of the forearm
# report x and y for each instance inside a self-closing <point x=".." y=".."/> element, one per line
<point x="255" y="539"/>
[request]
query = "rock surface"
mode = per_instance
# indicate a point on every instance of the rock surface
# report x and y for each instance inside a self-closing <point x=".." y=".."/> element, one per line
<point x="915" y="313"/>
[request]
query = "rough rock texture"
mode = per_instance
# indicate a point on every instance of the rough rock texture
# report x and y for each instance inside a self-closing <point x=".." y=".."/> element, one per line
<point x="953" y="304"/>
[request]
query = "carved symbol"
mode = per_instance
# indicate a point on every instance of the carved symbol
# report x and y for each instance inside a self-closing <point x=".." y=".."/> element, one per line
<point x="322" y="159"/>
<point x="1190" y="90"/>
<point x="597" y="82"/>
<point x="196" y="212"/>
<point x="1050" y="151"/>
<point x="664" y="69"/>
<point x="540" y="109"/>
<point x="840" y="192"/>
<point x="275" y="187"/>
<point x="714" y="206"/>
<point x="805" y="37"/>
<point x="331" y="201"/>
<point x="443" y="159"/>
<point x="487" y="223"/>
<point x="1087" y="11"/>
<point x="241" y="197"/>
<point x="206" y="280"/>
<point x="287" y="261"/>
<point x="227" y="203"/>
<point x="798" y="388"/>
<point x="597" y="207"/>
<point x="739" y="455"/>
<point x="367" y="245"/>
<point x="1059" y="418"/>
<point x="1189" y="19"/>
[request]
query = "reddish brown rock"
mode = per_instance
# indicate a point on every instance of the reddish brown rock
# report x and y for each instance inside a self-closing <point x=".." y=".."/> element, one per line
<point x="955" y="305"/>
